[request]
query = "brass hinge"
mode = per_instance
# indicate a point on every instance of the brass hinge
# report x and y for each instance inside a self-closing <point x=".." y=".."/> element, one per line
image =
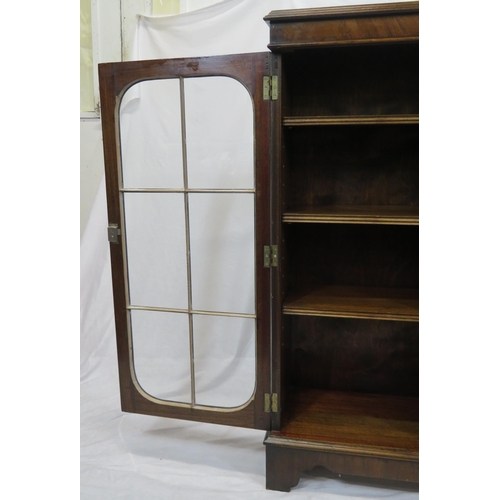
<point x="270" y="88"/>
<point x="271" y="403"/>
<point x="271" y="256"/>
<point x="113" y="233"/>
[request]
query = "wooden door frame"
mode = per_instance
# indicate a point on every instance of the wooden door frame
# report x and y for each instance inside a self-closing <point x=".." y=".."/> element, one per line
<point x="115" y="79"/>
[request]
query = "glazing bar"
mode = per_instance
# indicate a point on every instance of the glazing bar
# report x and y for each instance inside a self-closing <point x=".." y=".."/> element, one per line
<point x="192" y="311"/>
<point x="188" y="238"/>
<point x="180" y="190"/>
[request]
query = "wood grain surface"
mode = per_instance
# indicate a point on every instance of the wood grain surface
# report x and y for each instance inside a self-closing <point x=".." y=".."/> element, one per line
<point x="354" y="214"/>
<point x="376" y="424"/>
<point x="355" y="302"/>
<point x="303" y="121"/>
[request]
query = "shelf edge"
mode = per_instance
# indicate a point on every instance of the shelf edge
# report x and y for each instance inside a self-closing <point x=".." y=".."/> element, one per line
<point x="308" y="121"/>
<point x="292" y="311"/>
<point x="366" y="451"/>
<point x="326" y="219"/>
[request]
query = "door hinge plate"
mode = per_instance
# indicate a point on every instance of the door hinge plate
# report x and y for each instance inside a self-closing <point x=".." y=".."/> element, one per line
<point x="270" y="88"/>
<point x="271" y="256"/>
<point x="113" y="233"/>
<point x="271" y="403"/>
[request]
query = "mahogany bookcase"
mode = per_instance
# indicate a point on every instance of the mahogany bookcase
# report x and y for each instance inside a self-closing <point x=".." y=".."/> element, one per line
<point x="336" y="263"/>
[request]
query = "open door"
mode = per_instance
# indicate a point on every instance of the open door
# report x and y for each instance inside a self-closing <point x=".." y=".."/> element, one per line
<point x="186" y="149"/>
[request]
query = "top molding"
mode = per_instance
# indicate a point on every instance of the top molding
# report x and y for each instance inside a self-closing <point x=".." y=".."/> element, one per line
<point x="342" y="11"/>
<point x="351" y="24"/>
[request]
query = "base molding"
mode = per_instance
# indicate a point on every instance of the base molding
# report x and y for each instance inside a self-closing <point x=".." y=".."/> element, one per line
<point x="286" y="461"/>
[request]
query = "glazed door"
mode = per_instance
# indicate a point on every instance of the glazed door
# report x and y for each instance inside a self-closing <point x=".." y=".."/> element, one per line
<point x="186" y="145"/>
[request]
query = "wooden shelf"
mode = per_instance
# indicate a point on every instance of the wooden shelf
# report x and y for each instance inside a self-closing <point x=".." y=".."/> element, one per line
<point x="361" y="424"/>
<point x="354" y="214"/>
<point x="354" y="302"/>
<point x="301" y="121"/>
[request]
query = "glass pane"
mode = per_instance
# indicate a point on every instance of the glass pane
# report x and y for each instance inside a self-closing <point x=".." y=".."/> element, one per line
<point x="151" y="135"/>
<point x="222" y="252"/>
<point x="220" y="149"/>
<point x="219" y="133"/>
<point x="224" y="360"/>
<point x="156" y="249"/>
<point x="162" y="354"/>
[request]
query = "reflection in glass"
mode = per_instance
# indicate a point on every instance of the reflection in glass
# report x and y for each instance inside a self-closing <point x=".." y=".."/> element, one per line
<point x="219" y="133"/>
<point x="222" y="252"/>
<point x="156" y="249"/>
<point x="151" y="135"/>
<point x="162" y="354"/>
<point x="224" y="360"/>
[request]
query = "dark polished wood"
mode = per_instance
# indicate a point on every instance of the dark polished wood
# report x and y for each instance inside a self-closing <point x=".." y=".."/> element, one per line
<point x="352" y="165"/>
<point x="279" y="362"/>
<point x="342" y="11"/>
<point x="355" y="302"/>
<point x="115" y="80"/>
<point x="353" y="85"/>
<point x="348" y="433"/>
<point x="368" y="424"/>
<point x="111" y="161"/>
<point x="337" y="190"/>
<point x="348" y="170"/>
<point x="325" y="27"/>
<point x="353" y="355"/>
<point x="287" y="459"/>
<point x="354" y="214"/>
<point x="357" y="255"/>
<point x="307" y="121"/>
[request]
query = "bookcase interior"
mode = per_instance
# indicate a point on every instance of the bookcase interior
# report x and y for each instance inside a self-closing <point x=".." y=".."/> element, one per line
<point x="349" y="216"/>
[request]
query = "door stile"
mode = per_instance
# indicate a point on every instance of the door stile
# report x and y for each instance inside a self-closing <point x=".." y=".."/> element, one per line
<point x="109" y="122"/>
<point x="277" y="201"/>
<point x="262" y="109"/>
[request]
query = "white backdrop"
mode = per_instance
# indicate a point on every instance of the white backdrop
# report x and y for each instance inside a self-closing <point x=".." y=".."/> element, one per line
<point x="134" y="456"/>
<point x="219" y="254"/>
